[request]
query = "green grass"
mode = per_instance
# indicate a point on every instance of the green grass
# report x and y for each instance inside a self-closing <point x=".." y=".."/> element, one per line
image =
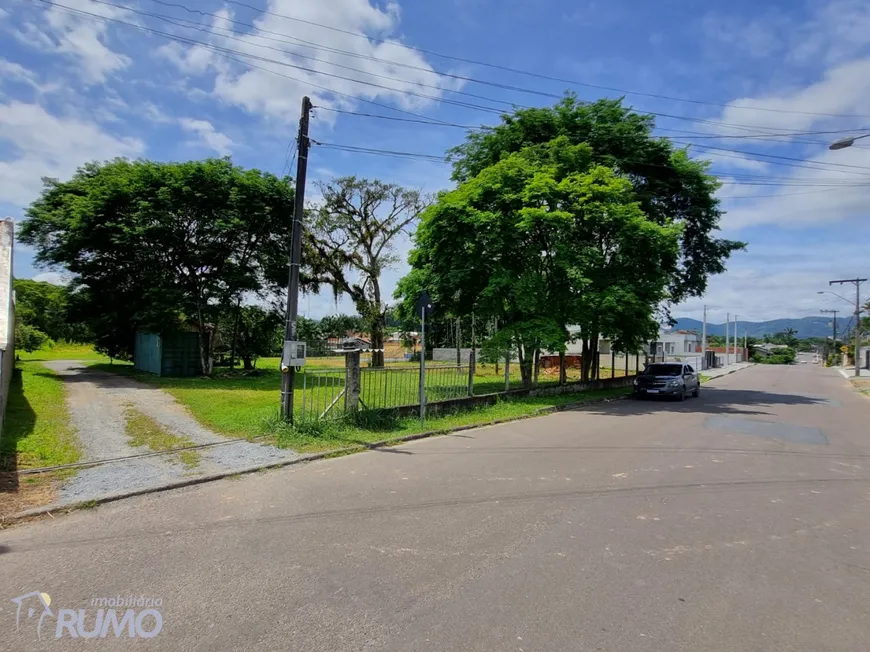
<point x="240" y="404"/>
<point x="64" y="351"/>
<point x="323" y="436"/>
<point x="142" y="430"/>
<point x="37" y="431"/>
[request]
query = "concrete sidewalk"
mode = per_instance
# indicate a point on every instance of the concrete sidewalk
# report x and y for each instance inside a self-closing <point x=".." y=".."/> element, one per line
<point x="724" y="371"/>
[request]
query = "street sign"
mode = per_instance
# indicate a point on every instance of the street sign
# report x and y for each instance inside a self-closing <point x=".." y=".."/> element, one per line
<point x="424" y="306"/>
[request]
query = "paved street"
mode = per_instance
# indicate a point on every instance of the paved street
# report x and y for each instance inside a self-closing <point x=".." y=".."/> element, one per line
<point x="738" y="521"/>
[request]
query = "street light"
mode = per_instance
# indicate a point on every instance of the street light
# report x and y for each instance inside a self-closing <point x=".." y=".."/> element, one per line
<point x="848" y="141"/>
<point x="849" y="301"/>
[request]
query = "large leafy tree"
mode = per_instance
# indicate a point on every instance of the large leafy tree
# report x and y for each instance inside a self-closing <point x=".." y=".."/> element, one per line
<point x="353" y="235"/>
<point x="46" y="307"/>
<point x="152" y="245"/>
<point x="669" y="186"/>
<point x="541" y="239"/>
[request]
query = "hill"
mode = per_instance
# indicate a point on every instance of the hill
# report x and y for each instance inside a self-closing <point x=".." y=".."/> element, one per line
<point x="805" y="326"/>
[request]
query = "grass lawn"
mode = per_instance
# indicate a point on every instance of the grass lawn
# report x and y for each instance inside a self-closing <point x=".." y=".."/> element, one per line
<point x="245" y="405"/>
<point x="142" y="430"/>
<point x="63" y="351"/>
<point x="36" y="433"/>
<point x="326" y="436"/>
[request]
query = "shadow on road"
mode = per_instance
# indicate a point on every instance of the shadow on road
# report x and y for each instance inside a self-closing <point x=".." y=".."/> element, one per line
<point x="713" y="400"/>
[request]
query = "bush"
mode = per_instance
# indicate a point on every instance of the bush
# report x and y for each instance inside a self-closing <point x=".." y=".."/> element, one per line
<point x="29" y="338"/>
<point x="782" y="356"/>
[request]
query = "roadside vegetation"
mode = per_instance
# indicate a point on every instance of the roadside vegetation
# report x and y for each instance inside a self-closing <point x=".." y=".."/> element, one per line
<point x="318" y="436"/>
<point x="782" y="356"/>
<point x="142" y="430"/>
<point x="243" y="404"/>
<point x="36" y="433"/>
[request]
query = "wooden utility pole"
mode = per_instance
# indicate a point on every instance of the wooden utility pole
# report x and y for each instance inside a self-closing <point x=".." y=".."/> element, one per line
<point x="288" y="378"/>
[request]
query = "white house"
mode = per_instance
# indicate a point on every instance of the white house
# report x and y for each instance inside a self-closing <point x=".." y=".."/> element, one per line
<point x="677" y="343"/>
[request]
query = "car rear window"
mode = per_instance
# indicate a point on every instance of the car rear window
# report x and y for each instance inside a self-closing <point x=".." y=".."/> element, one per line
<point x="664" y="370"/>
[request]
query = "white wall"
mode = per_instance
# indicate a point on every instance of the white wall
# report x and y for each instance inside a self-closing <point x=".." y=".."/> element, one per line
<point x="7" y="313"/>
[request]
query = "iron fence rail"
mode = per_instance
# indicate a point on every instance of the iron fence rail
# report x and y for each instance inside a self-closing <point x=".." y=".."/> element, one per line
<point x="322" y="393"/>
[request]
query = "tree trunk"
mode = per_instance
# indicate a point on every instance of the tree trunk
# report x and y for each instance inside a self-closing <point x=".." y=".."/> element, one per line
<point x="248" y="362"/>
<point x="537" y="366"/>
<point x="377" y="337"/>
<point x="458" y="343"/>
<point x="563" y="373"/>
<point x="525" y="365"/>
<point x="235" y="334"/>
<point x="585" y="360"/>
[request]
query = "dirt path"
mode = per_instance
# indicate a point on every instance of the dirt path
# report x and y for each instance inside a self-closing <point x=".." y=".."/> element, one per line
<point x="97" y="402"/>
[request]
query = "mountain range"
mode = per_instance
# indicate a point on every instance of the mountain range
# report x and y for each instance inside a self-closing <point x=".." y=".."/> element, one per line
<point x="805" y="326"/>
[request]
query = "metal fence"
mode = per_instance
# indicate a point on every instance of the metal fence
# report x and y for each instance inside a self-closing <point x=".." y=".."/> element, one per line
<point x="325" y="394"/>
<point x="322" y="394"/>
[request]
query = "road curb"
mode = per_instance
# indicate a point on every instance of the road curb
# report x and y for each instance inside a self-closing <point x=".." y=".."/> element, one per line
<point x="302" y="459"/>
<point x="733" y="371"/>
<point x="844" y="374"/>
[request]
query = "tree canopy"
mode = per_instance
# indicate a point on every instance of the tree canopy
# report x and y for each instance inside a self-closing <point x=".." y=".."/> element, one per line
<point x="540" y="239"/>
<point x="352" y="237"/>
<point x="668" y="185"/>
<point x="153" y="245"/>
<point x="46" y="307"/>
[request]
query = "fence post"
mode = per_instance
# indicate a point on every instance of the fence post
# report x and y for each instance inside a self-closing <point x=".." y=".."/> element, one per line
<point x="351" y="381"/>
<point x="612" y="362"/>
<point x="472" y="361"/>
<point x="507" y="371"/>
<point x="625" y="353"/>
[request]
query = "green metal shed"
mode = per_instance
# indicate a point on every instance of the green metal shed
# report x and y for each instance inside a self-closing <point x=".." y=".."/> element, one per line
<point x="167" y="354"/>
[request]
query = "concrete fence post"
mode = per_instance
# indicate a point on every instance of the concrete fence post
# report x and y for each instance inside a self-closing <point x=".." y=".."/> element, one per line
<point x="352" y="381"/>
<point x="472" y="363"/>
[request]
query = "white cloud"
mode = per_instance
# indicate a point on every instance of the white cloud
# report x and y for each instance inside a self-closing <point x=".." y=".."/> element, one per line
<point x="43" y="144"/>
<point x="844" y="89"/>
<point x="773" y="281"/>
<point x="835" y="31"/>
<point x="55" y="278"/>
<point x="208" y="135"/>
<point x="80" y="38"/>
<point x="260" y="91"/>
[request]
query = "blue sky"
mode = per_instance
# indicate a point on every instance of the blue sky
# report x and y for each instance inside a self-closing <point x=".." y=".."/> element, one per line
<point x="74" y="88"/>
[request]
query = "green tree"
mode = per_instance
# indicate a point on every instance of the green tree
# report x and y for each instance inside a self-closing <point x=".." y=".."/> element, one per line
<point x="353" y="233"/>
<point x="539" y="240"/>
<point x="308" y="330"/>
<point x="669" y="186"/>
<point x="339" y="325"/>
<point x="29" y="338"/>
<point x="153" y="245"/>
<point x="46" y="307"/>
<point x="259" y="334"/>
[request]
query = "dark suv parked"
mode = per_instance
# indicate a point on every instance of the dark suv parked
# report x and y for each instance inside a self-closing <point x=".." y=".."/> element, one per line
<point x="673" y="379"/>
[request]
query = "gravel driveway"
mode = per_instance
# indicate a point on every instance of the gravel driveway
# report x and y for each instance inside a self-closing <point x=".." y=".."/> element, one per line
<point x="97" y="401"/>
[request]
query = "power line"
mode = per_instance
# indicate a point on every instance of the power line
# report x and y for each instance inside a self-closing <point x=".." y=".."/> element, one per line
<point x="215" y="48"/>
<point x="200" y="27"/>
<point x="389" y="117"/>
<point x="228" y="52"/>
<point x="533" y="74"/>
<point x="210" y="29"/>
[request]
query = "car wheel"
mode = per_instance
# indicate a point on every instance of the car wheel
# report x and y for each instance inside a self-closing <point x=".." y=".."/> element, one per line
<point x="697" y="392"/>
<point x="682" y="394"/>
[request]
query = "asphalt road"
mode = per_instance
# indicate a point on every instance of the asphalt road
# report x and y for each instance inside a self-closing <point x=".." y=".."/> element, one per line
<point x="738" y="521"/>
